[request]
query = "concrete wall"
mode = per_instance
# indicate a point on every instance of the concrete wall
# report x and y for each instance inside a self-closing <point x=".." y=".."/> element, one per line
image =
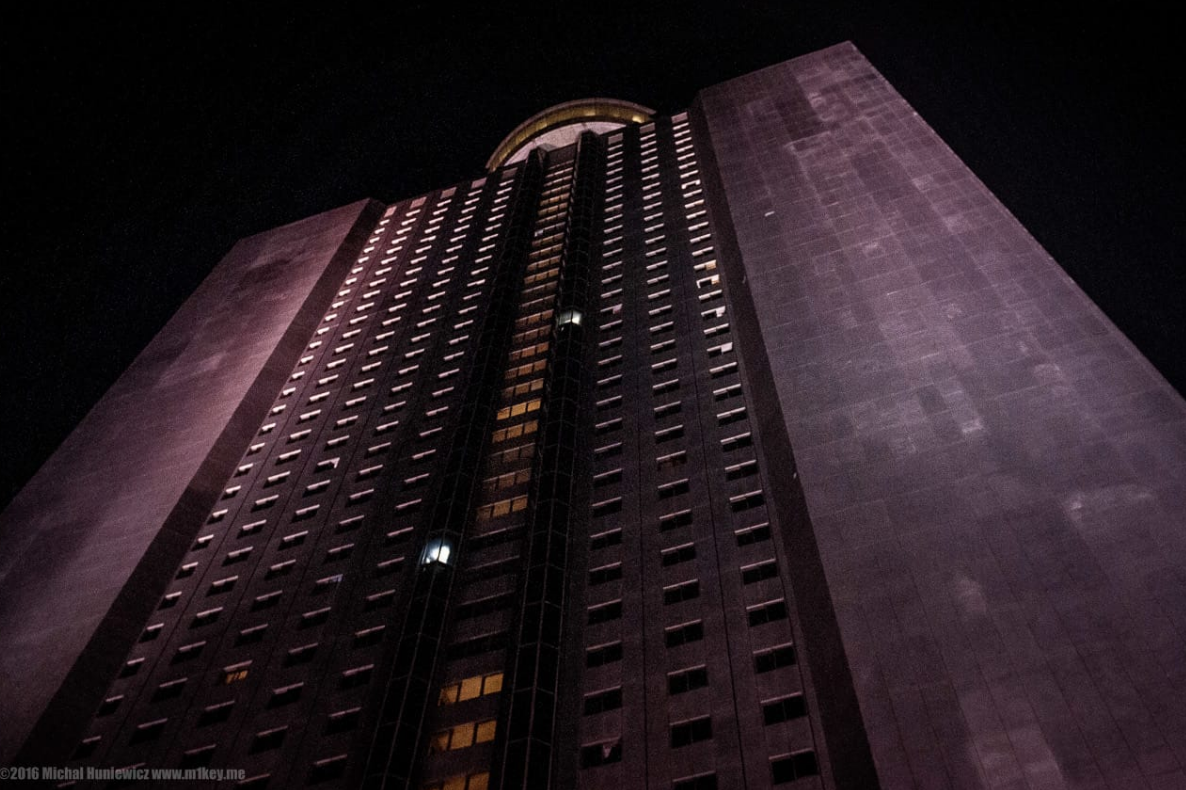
<point x="995" y="477"/>
<point x="144" y="466"/>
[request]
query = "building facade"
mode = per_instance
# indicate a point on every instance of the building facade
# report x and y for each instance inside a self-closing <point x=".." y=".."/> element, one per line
<point x="755" y="445"/>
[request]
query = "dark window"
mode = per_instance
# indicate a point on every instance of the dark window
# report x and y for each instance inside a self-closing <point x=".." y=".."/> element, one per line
<point x="768" y="613"/>
<point x="754" y="534"/>
<point x="756" y="573"/>
<point x="478" y="645"/>
<point x="773" y="658"/>
<point x="216" y="713"/>
<point x="607" y="507"/>
<point x="608" y="450"/>
<point x="737" y="442"/>
<point x="342" y="721"/>
<point x="606" y="539"/>
<point x="701" y="782"/>
<point x="607" y="426"/>
<point x="197" y="757"/>
<point x="689" y="732"/>
<point x="672" y="460"/>
<point x="483" y="606"/>
<point x="682" y="634"/>
<point x="676" y="488"/>
<point x="285" y="695"/>
<point x="687" y="679"/>
<point x="603" y="654"/>
<point x="793" y="766"/>
<point x="605" y="612"/>
<point x="785" y="709"/>
<point x="668" y="409"/>
<point x="149" y="731"/>
<point x="606" y="478"/>
<point x="601" y="754"/>
<point x="674" y="556"/>
<point x="605" y="574"/>
<point x="268" y="739"/>
<point x="667" y="434"/>
<point x="603" y="701"/>
<point x="672" y="520"/>
<point x="746" y="501"/>
<point x="738" y="471"/>
<point x="681" y="592"/>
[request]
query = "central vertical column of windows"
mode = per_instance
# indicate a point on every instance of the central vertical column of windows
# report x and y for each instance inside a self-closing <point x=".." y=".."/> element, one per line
<point x="396" y="721"/>
<point x="468" y="703"/>
<point x="536" y="745"/>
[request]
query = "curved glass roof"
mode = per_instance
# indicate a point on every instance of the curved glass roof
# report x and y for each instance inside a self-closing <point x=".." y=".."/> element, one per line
<point x="562" y="124"/>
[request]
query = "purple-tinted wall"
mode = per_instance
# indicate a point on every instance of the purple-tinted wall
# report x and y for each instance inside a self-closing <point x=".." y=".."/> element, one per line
<point x="995" y="477"/>
<point x="147" y="458"/>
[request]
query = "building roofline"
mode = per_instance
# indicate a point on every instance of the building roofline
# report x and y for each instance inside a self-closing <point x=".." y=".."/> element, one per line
<point x="564" y="114"/>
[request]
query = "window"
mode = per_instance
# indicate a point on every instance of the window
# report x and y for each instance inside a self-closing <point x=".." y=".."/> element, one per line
<point x="698" y="782"/>
<point x="601" y="701"/>
<point x="743" y="469"/>
<point x="606" y="539"/>
<point x="605" y="573"/>
<point x="668" y="409"/>
<point x="607" y="507"/>
<point x="681" y="518"/>
<point x="268" y="739"/>
<point x="785" y="709"/>
<point x="436" y="551"/>
<point x="665" y="386"/>
<point x="474" y="781"/>
<point x="285" y="694"/>
<point x="692" y="731"/>
<point x="604" y="613"/>
<point x="678" y="635"/>
<point x="774" y="658"/>
<point x="233" y="674"/>
<point x="672" y="460"/>
<point x="603" y="654"/>
<point x="502" y="508"/>
<point x="675" y="488"/>
<point x="751" y="574"/>
<point x="790" y="767"/>
<point x="519" y="408"/>
<point x="678" y="554"/>
<point x="667" y="434"/>
<point x="462" y="736"/>
<point x="746" y="501"/>
<point x="767" y="612"/>
<point x="597" y="754"/>
<point x="737" y="442"/>
<point x="731" y="416"/>
<point x="684" y="591"/>
<point x="755" y="534"/>
<point x="470" y="688"/>
<point x="686" y="680"/>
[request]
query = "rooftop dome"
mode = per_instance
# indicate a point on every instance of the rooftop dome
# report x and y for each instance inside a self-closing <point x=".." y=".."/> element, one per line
<point x="562" y="124"/>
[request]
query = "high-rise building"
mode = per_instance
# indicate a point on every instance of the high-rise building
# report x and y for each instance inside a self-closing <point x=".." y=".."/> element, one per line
<point x="752" y="445"/>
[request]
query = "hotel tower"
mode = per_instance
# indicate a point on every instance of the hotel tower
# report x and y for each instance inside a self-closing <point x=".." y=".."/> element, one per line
<point x="751" y="445"/>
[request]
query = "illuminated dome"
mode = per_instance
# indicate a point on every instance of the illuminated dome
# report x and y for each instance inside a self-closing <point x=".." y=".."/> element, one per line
<point x="562" y="124"/>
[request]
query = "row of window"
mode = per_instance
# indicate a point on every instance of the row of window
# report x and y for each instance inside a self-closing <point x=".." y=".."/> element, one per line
<point x="297" y="655"/>
<point x="506" y="475"/>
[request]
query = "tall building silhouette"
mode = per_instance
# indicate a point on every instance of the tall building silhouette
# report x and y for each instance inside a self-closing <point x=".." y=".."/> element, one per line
<point x="752" y="445"/>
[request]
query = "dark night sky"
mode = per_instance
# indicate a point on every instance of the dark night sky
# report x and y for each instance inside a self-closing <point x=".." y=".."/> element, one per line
<point x="137" y="150"/>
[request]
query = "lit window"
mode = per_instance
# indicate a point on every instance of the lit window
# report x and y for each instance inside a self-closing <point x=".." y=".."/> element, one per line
<point x="437" y="551"/>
